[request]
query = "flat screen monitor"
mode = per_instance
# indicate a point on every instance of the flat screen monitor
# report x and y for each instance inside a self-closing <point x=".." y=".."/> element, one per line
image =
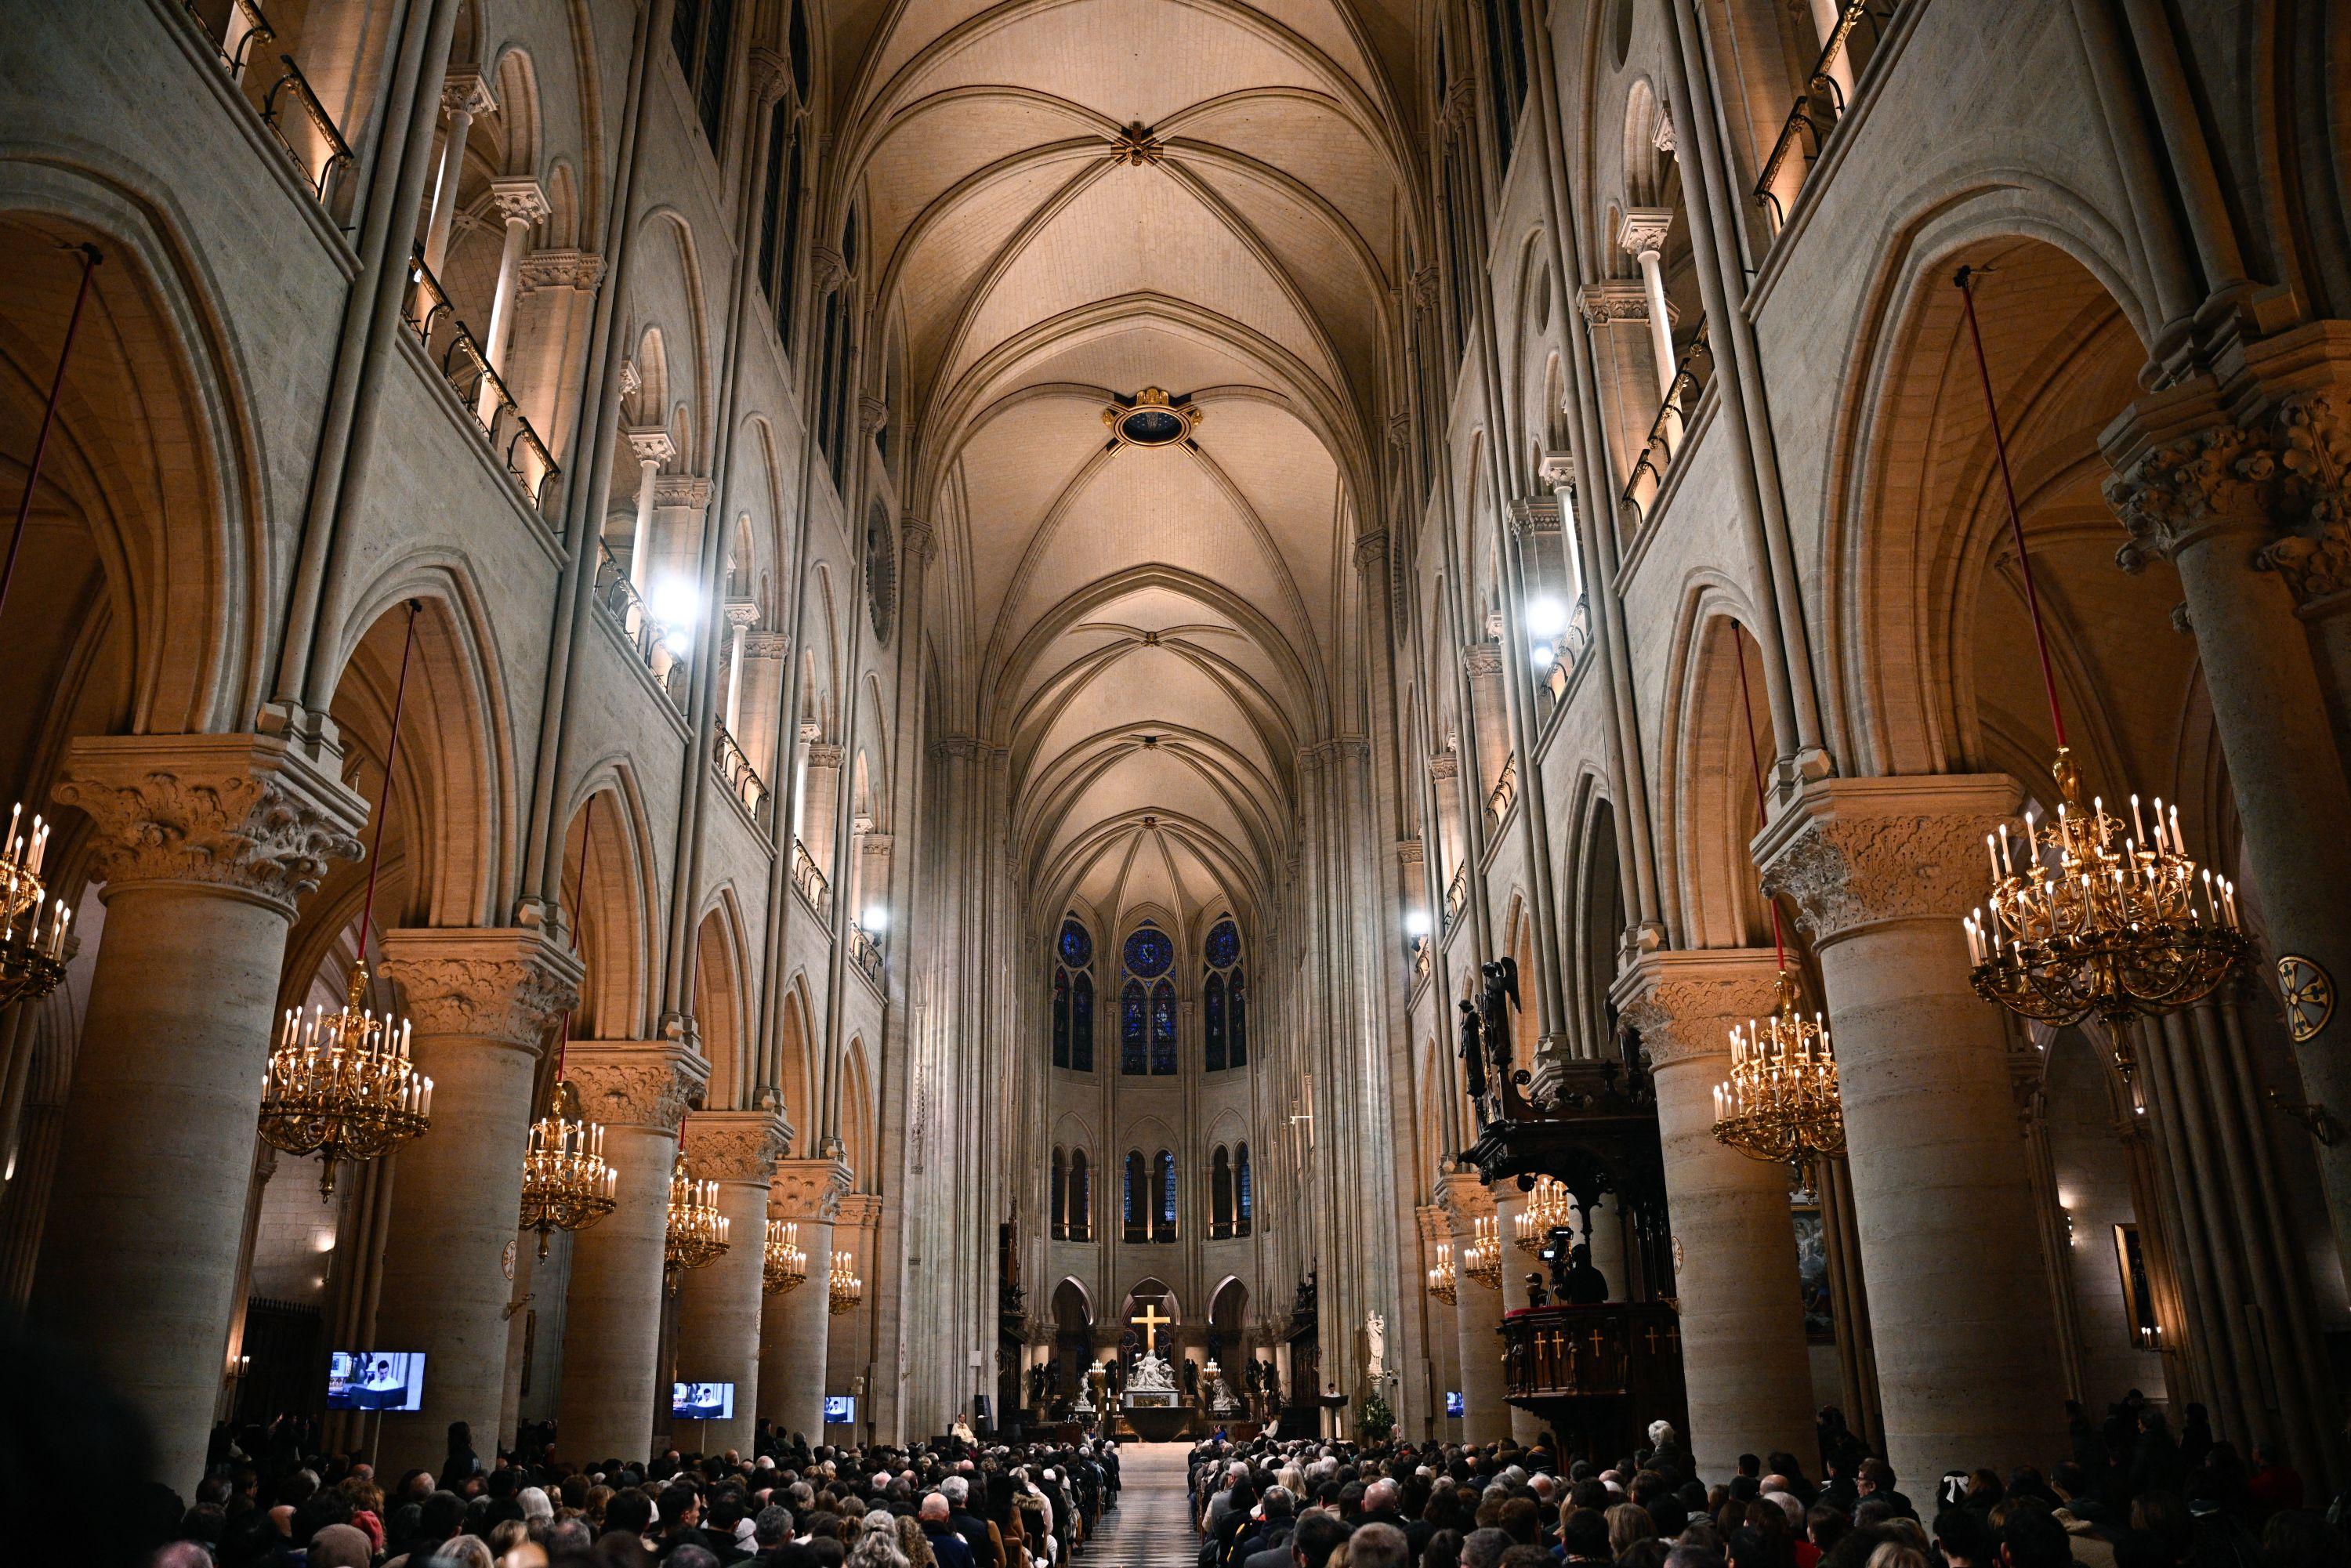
<point x="839" y="1409"/>
<point x="375" y="1380"/>
<point x="702" y="1401"/>
<point x="1453" y="1405"/>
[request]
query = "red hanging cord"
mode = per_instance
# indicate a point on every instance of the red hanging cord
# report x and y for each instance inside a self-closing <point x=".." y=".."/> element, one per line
<point x="390" y="750"/>
<point x="89" y="260"/>
<point x="1755" y="763"/>
<point x="1963" y="279"/>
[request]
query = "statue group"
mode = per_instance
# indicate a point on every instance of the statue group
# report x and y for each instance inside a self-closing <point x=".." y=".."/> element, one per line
<point x="1487" y="1065"/>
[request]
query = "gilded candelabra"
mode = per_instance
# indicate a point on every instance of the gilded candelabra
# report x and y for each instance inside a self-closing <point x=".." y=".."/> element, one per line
<point x="1549" y="1207"/>
<point x="1482" y="1259"/>
<point x="566" y="1182"/>
<point x="341" y="1085"/>
<point x="785" y="1268"/>
<point x="1443" y="1283"/>
<point x="1782" y="1103"/>
<point x="697" y="1231"/>
<point x="844" y="1288"/>
<point x="2092" y="914"/>
<point x="32" y="925"/>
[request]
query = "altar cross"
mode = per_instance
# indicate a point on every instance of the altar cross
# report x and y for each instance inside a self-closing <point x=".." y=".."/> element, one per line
<point x="1151" y="1321"/>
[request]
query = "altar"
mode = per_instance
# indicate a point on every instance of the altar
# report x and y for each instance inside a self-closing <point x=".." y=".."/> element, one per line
<point x="1153" y="1409"/>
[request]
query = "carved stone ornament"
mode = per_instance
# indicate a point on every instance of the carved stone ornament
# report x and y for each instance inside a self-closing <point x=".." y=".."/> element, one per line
<point x="735" y="1145"/>
<point x="1483" y="659"/>
<point x="503" y="983"/>
<point x="1372" y="550"/>
<point x="1408" y="851"/>
<point x="1683" y="1003"/>
<point x="1855" y="852"/>
<point x="1434" y="1225"/>
<point x="1612" y="299"/>
<point x="258" y="815"/>
<point x="651" y="443"/>
<point x="635" y="1083"/>
<point x="859" y="1211"/>
<point x="770" y="645"/>
<point x="1557" y="470"/>
<point x="467" y="93"/>
<point x="828" y="269"/>
<point x="1645" y="229"/>
<point x="1444" y="764"/>
<point x="681" y="490"/>
<point x="1464" y="1200"/>
<point x="582" y="269"/>
<point x="807" y="1190"/>
<point x="823" y="754"/>
<point x="519" y="199"/>
<point x="1534" y="515"/>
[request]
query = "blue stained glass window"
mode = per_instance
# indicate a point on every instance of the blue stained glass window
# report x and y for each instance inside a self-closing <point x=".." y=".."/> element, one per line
<point x="1163" y="1029"/>
<point x="1082" y="1023"/>
<point x="1131" y="1051"/>
<point x="1149" y="953"/>
<point x="1242" y="1183"/>
<point x="1224" y="946"/>
<point x="1077" y="947"/>
<point x="1061" y="1017"/>
<point x="1212" y="1024"/>
<point x="1237" y="1023"/>
<point x="1134" y="1199"/>
<point x="1167" y="1195"/>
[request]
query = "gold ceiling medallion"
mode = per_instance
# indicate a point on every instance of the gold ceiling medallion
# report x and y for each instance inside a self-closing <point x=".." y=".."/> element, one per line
<point x="1135" y="146"/>
<point x="1152" y="418"/>
<point x="2309" y="996"/>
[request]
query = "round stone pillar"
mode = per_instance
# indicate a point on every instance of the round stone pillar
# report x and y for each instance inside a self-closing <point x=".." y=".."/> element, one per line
<point x="204" y="843"/>
<point x="481" y="1001"/>
<point x="1744" y="1356"/>
<point x="795" y="1326"/>
<point x="1478" y="1313"/>
<point x="720" y="1304"/>
<point x="1960" y="1305"/>
<point x="1508" y="1204"/>
<point x="612" y="1331"/>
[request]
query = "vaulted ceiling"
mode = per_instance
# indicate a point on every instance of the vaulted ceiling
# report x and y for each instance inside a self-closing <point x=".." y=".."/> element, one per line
<point x="1070" y="201"/>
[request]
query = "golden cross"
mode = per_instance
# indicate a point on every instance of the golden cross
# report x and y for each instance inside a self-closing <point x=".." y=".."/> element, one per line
<point x="1150" y="1323"/>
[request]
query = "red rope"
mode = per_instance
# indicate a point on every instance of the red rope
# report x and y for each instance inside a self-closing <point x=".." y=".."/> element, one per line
<point x="1755" y="764"/>
<point x="2015" y="519"/>
<point x="89" y="260"/>
<point x="390" y="750"/>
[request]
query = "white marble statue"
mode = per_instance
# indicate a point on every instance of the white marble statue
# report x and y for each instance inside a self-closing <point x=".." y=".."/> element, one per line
<point x="1375" y="1344"/>
<point x="1152" y="1375"/>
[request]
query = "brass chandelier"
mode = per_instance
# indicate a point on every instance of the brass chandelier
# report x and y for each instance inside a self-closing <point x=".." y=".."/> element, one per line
<point x="2089" y="915"/>
<point x="1482" y="1259"/>
<point x="566" y="1182"/>
<point x="843" y="1289"/>
<point x="342" y="1086"/>
<point x="1549" y="1207"/>
<point x="785" y="1268"/>
<point x="1442" y="1282"/>
<point x="32" y="948"/>
<point x="697" y="1231"/>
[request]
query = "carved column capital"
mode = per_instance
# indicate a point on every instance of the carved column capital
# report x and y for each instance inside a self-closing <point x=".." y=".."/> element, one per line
<point x="254" y="814"/>
<point x="823" y="754"/>
<point x="519" y="200"/>
<point x="1683" y="1002"/>
<point x="1612" y="299"/>
<point x="636" y="1082"/>
<point x="735" y="1145"/>
<point x="505" y="983"/>
<point x="1408" y="851"/>
<point x="1482" y="659"/>
<point x="859" y="1211"/>
<point x="1534" y="515"/>
<point x="1444" y="764"/>
<point x="807" y="1190"/>
<point x="827" y="269"/>
<point x="690" y="490"/>
<point x="651" y="443"/>
<point x="632" y="380"/>
<point x="1557" y="470"/>
<point x="772" y="646"/>
<point x="1423" y="287"/>
<point x="1644" y="229"/>
<point x="1858" y="852"/>
<point x="1372" y="550"/>
<point x="580" y="269"/>
<point x="1435" y="1226"/>
<point x="917" y="538"/>
<point x="873" y="413"/>
<point x="1464" y="1200"/>
<point x="464" y="91"/>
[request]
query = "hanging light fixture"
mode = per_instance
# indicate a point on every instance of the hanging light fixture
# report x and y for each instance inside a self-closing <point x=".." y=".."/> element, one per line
<point x="843" y="1289"/>
<point x="2089" y="914"/>
<point x="786" y="1266"/>
<point x="1783" y="1101"/>
<point x="342" y="1086"/>
<point x="697" y="1231"/>
<point x="1482" y="1259"/>
<point x="1443" y="1283"/>
<point x="566" y="1182"/>
<point x="1550" y="1208"/>
<point x="33" y="926"/>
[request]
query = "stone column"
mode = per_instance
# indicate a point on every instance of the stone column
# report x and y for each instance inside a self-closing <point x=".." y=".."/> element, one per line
<point x="1559" y="472"/>
<point x="1959" y="1309"/>
<point x="653" y="447"/>
<point x="820" y="801"/>
<point x="742" y="614"/>
<point x="1477" y="1316"/>
<point x="638" y="1090"/>
<point x="464" y="96"/>
<point x="480" y="1000"/>
<point x="1743" y="1351"/>
<point x="1643" y="237"/>
<point x="204" y="843"/>
<point x="1508" y="1204"/>
<point x="1482" y="661"/>
<point x="524" y="205"/>
<point x="795" y="1326"/>
<point x="1444" y="1321"/>
<point x="1445" y="772"/>
<point x="720" y="1304"/>
<point x="849" y="1363"/>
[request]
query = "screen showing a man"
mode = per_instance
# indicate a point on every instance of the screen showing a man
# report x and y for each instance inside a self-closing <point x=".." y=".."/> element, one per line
<point x="1453" y="1405"/>
<point x="702" y="1401"/>
<point x="375" y="1380"/>
<point x="839" y="1409"/>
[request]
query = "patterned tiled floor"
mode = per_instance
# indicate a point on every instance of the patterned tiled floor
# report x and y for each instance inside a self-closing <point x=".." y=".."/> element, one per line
<point x="1152" y="1525"/>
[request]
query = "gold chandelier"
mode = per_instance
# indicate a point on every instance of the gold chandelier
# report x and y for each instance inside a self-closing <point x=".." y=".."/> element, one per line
<point x="2100" y="918"/>
<point x="32" y="950"/>
<point x="1482" y="1259"/>
<point x="1549" y="1207"/>
<point x="843" y="1289"/>
<point x="786" y="1267"/>
<point x="343" y="1087"/>
<point x="1442" y="1282"/>
<point x="1782" y="1103"/>
<point x="697" y="1231"/>
<point x="566" y="1182"/>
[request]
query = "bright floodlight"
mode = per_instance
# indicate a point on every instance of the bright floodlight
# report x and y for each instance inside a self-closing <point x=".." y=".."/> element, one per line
<point x="874" y="919"/>
<point x="1416" y="922"/>
<point x="1540" y="654"/>
<point x="1546" y="618"/>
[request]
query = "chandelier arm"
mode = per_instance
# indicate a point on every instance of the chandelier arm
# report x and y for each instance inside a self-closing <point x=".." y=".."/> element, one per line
<point x="91" y="257"/>
<point x="391" y="751"/>
<point x="1964" y="279"/>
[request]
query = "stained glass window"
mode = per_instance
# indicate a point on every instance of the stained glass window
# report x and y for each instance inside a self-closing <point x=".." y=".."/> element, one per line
<point x="1073" y="998"/>
<point x="1082" y="1023"/>
<point x="1134" y="1201"/>
<point x="1132" y="1056"/>
<point x="1077" y="946"/>
<point x="1061" y="1017"/>
<point x="1163" y="1029"/>
<point x="1149" y="953"/>
<point x="1164" y="1230"/>
<point x="1224" y="945"/>
<point x="1212" y="1024"/>
<point x="1081" y="1200"/>
<point x="1240" y="1185"/>
<point x="1060" y="1215"/>
<point x="1237" y="1023"/>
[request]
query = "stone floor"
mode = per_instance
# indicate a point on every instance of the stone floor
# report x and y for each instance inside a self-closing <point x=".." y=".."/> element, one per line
<point x="1152" y="1525"/>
